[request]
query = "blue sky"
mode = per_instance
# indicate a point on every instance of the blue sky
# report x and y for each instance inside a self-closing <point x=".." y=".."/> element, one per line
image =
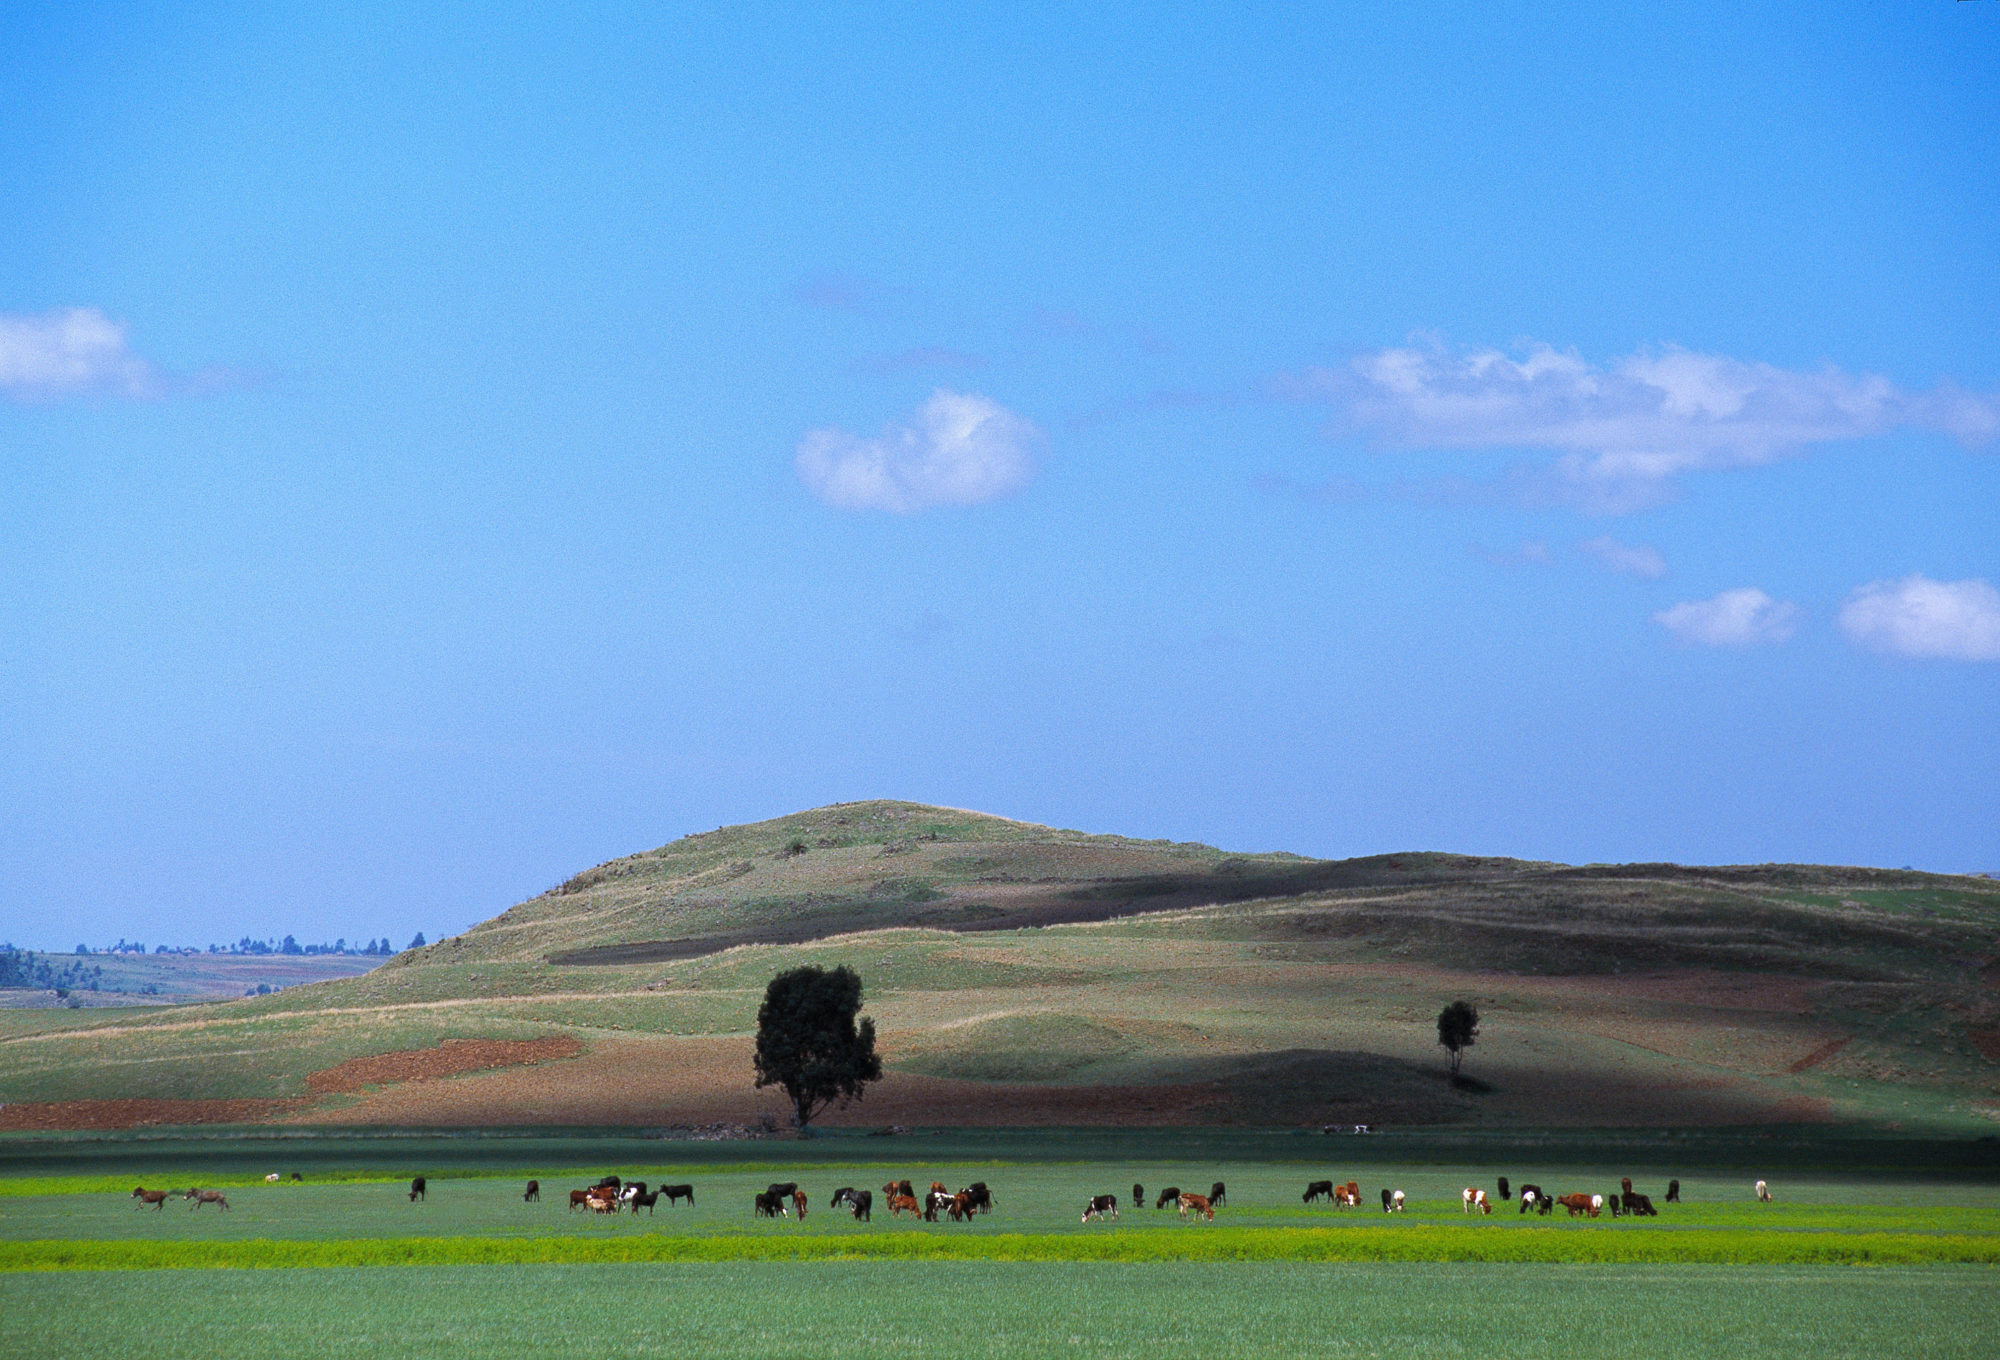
<point x="441" y="452"/>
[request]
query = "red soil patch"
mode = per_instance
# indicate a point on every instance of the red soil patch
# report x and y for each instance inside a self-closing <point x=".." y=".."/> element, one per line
<point x="131" y="1114"/>
<point x="447" y="1060"/>
<point x="1819" y="1055"/>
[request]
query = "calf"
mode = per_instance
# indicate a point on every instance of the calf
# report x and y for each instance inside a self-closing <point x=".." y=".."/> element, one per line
<point x="1201" y="1204"/>
<point x="1168" y="1196"/>
<point x="1324" y="1190"/>
<point x="534" y="1192"/>
<point x="898" y="1204"/>
<point x="1471" y="1196"/>
<point x="1217" y="1193"/>
<point x="156" y="1198"/>
<point x="645" y="1201"/>
<point x="676" y="1193"/>
<point x="1100" y="1206"/>
<point x="201" y="1197"/>
<point x="417" y="1190"/>
<point x="770" y="1204"/>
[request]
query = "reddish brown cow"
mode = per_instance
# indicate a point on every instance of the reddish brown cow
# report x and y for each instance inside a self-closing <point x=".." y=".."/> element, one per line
<point x="1576" y="1204"/>
<point x="898" y="1203"/>
<point x="799" y="1203"/>
<point x="1198" y="1203"/>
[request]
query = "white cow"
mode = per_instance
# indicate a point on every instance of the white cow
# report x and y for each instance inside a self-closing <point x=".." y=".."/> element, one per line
<point x="1396" y="1202"/>
<point x="1763" y="1192"/>
<point x="1471" y="1197"/>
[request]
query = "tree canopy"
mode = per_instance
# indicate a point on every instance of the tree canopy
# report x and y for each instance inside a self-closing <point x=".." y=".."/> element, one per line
<point x="808" y="1043"/>
<point x="1458" y="1030"/>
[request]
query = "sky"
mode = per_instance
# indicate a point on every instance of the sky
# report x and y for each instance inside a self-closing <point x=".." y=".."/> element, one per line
<point x="445" y="448"/>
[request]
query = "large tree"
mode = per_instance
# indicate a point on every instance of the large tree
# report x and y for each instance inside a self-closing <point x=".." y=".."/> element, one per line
<point x="808" y="1042"/>
<point x="1458" y="1029"/>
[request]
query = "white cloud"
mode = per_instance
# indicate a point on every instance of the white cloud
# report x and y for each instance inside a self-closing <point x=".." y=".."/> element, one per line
<point x="1631" y="559"/>
<point x="1735" y="618"/>
<point x="1623" y="431"/>
<point x="73" y="352"/>
<point x="1917" y="616"/>
<point x="961" y="449"/>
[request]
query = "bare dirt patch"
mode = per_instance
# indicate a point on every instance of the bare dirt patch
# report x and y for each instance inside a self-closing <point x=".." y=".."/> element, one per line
<point x="1819" y="1055"/>
<point x="449" y="1059"/>
<point x="132" y="1114"/>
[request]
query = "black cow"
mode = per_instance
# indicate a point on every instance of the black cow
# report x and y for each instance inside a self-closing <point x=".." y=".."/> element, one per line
<point x="1611" y="1203"/>
<point x="1673" y="1192"/>
<point x="676" y="1193"/>
<point x="1642" y="1206"/>
<point x="534" y="1192"/>
<point x="1170" y="1195"/>
<point x="632" y="1190"/>
<point x="770" y="1205"/>
<point x="417" y="1190"/>
<point x="1532" y="1197"/>
<point x="860" y="1202"/>
<point x="1099" y="1206"/>
<point x="783" y="1189"/>
<point x="978" y="1198"/>
<point x="642" y="1200"/>
<point x="1504" y="1196"/>
<point x="1216" y="1194"/>
<point x="1138" y="1193"/>
<point x="608" y="1183"/>
<point x="1388" y="1200"/>
<point x="1324" y="1190"/>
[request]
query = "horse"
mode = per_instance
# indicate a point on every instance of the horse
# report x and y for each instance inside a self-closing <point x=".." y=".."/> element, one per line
<point x="156" y="1198"/>
<point x="201" y="1197"/>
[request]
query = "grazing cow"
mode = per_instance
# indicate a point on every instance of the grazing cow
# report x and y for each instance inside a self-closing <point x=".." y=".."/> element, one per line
<point x="1100" y="1206"/>
<point x="604" y="1204"/>
<point x="1347" y="1196"/>
<point x="1576" y="1203"/>
<point x="1170" y="1195"/>
<point x="799" y="1203"/>
<point x="783" y="1189"/>
<point x="273" y="1178"/>
<point x="644" y="1201"/>
<point x="201" y="1197"/>
<point x="864" y="1206"/>
<point x="1324" y="1190"/>
<point x="1673" y="1192"/>
<point x="1217" y="1193"/>
<point x="417" y="1190"/>
<point x="1386" y="1199"/>
<point x="840" y="1197"/>
<point x="1138" y="1194"/>
<point x="533" y="1193"/>
<point x="579" y="1199"/>
<point x="1611" y="1203"/>
<point x="1470" y="1196"/>
<point x="770" y="1204"/>
<point x="676" y="1193"/>
<point x="1201" y="1204"/>
<point x="898" y="1204"/>
<point x="297" y="1177"/>
<point x="1596" y="1205"/>
<point x="156" y="1198"/>
<point x="1763" y="1193"/>
<point x="1396" y="1202"/>
<point x="1530" y="1197"/>
<point x="935" y="1200"/>
<point x="979" y="1197"/>
<point x="1642" y="1206"/>
<point x="1504" y="1196"/>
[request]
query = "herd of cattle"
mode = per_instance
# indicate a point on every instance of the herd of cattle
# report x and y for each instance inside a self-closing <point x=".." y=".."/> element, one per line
<point x="784" y="1199"/>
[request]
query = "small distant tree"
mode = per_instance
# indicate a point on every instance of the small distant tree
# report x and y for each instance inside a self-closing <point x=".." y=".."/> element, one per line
<point x="1458" y="1030"/>
<point x="418" y="943"/>
<point x="808" y="1043"/>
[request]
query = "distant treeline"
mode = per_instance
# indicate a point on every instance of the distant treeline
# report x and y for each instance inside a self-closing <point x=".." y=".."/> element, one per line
<point x="25" y="968"/>
<point x="366" y="948"/>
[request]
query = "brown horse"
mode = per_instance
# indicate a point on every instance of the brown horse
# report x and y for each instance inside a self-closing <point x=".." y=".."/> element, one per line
<point x="156" y="1198"/>
<point x="201" y="1197"/>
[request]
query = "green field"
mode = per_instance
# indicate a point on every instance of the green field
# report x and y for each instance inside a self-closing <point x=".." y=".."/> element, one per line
<point x="838" y="1309"/>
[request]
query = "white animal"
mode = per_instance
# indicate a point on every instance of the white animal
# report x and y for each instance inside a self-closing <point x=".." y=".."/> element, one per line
<point x="1396" y="1202"/>
<point x="1471" y="1197"/>
<point x="1596" y="1205"/>
<point x="1763" y="1192"/>
<point x="272" y="1177"/>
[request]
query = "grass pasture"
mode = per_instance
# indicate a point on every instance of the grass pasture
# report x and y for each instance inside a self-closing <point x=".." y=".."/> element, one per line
<point x="974" y="1309"/>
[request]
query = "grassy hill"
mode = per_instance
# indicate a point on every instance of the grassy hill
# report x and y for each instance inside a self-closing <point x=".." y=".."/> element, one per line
<point x="1023" y="975"/>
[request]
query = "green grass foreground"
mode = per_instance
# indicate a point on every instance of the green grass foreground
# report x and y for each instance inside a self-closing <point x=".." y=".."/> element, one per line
<point x="1197" y="1244"/>
<point x="997" y="1311"/>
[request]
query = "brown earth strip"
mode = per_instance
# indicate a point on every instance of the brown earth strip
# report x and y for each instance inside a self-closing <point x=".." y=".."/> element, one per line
<point x="132" y="1114"/>
<point x="1819" y="1055"/>
<point x="447" y="1060"/>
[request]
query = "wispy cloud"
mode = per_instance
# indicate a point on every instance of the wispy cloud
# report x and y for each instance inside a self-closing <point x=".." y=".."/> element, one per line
<point x="1735" y="618"/>
<point x="1532" y="553"/>
<point x="1622" y="431"/>
<point x="1628" y="558"/>
<point x="959" y="449"/>
<point x="1916" y="616"/>
<point x="77" y="351"/>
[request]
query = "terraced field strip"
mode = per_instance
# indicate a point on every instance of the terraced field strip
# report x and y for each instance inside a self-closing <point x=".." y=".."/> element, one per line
<point x="1414" y="1244"/>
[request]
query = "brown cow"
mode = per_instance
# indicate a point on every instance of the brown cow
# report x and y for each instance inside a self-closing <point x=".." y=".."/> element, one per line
<point x="1576" y="1204"/>
<point x="579" y="1199"/>
<point x="156" y="1198"/>
<point x="899" y="1188"/>
<point x="799" y="1203"/>
<point x="898" y="1203"/>
<point x="1198" y="1203"/>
